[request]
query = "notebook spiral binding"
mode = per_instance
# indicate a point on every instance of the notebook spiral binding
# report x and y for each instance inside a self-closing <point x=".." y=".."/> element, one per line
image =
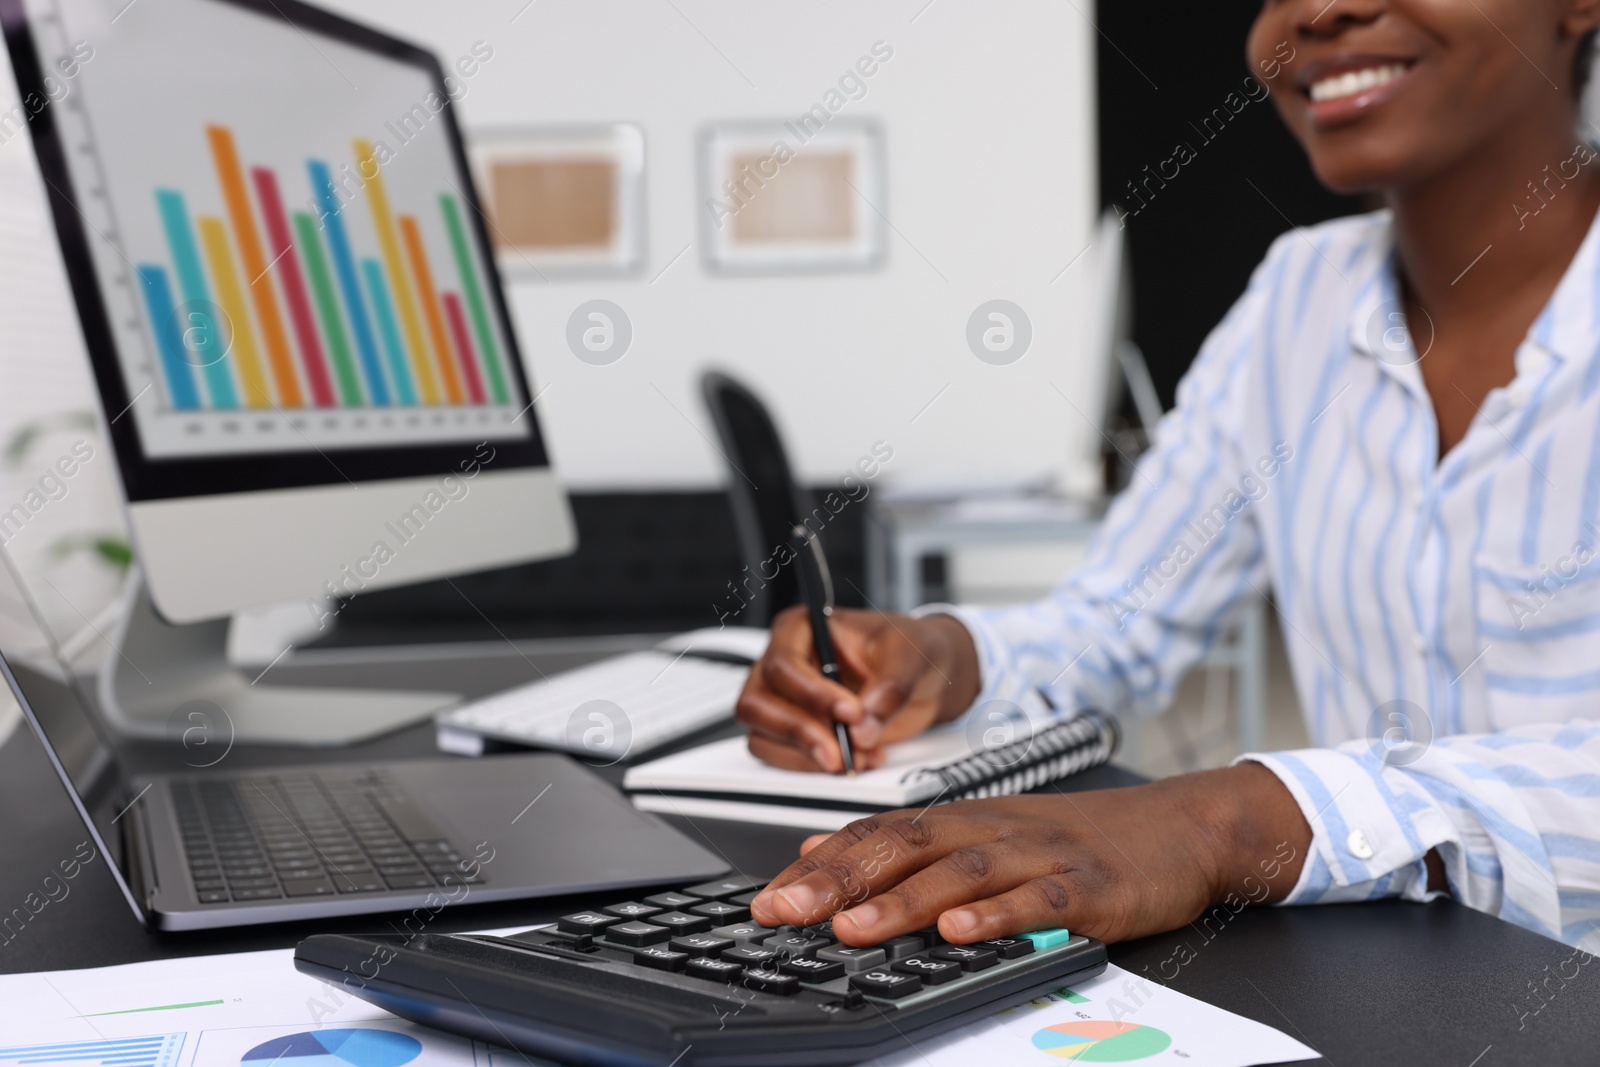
<point x="1087" y="740"/>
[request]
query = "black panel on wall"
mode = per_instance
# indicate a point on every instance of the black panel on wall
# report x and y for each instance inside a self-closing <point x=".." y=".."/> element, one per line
<point x="1163" y="73"/>
<point x="646" y="563"/>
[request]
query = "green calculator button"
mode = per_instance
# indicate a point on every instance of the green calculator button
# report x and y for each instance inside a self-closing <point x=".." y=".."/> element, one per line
<point x="1047" y="939"/>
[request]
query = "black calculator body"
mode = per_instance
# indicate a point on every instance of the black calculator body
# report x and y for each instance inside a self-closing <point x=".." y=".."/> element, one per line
<point x="686" y="979"/>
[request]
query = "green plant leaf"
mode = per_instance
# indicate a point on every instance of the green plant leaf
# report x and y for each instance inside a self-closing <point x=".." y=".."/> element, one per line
<point x="110" y="550"/>
<point x="29" y="433"/>
<point x="115" y="552"/>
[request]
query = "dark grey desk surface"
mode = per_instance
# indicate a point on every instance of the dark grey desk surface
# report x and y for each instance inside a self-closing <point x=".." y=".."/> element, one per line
<point x="1364" y="984"/>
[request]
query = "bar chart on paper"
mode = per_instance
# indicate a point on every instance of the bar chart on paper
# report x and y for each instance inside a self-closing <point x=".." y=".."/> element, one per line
<point x="160" y="1050"/>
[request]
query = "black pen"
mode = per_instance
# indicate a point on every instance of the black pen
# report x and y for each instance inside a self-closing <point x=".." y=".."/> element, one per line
<point x="818" y="591"/>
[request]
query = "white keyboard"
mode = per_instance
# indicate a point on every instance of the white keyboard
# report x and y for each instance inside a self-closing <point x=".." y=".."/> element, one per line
<point x="608" y="710"/>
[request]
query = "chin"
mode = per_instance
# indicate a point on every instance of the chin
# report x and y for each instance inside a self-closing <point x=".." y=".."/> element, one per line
<point x="1359" y="167"/>
<point x="1348" y="177"/>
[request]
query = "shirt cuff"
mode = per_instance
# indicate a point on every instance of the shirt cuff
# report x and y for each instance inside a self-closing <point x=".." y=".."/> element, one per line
<point x="1368" y="838"/>
<point x="998" y="677"/>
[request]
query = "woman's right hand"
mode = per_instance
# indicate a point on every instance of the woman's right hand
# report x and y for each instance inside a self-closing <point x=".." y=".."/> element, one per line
<point x="901" y="675"/>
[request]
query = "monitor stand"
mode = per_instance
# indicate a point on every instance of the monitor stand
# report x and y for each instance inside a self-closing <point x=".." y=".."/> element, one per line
<point x="162" y="680"/>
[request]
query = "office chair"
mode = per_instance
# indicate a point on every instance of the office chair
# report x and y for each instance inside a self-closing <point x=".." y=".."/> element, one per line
<point x="1123" y="359"/>
<point x="766" y="501"/>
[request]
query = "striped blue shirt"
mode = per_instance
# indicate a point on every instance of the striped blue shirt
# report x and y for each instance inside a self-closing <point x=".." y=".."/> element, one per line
<point x="1442" y="616"/>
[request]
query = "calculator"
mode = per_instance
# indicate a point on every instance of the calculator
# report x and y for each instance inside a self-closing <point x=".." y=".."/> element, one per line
<point x="686" y="979"/>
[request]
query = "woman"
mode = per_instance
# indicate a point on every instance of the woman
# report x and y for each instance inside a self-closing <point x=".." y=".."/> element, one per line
<point x="1397" y="431"/>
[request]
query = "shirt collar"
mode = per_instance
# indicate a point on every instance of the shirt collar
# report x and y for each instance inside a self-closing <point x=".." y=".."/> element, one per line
<point x="1567" y="329"/>
<point x="1378" y="328"/>
<point x="1569" y="326"/>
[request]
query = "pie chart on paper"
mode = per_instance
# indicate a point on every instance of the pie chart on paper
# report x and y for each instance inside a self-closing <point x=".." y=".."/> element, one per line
<point x="1097" y="1041"/>
<point x="336" y="1048"/>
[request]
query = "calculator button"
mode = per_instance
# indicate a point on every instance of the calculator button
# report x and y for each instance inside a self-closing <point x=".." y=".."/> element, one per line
<point x="931" y="935"/>
<point x="214" y="896"/>
<point x="587" y="922"/>
<point x="682" y="923"/>
<point x="796" y="944"/>
<point x="744" y="899"/>
<point x="672" y="901"/>
<point x="890" y="985"/>
<point x="632" y="909"/>
<point x="637" y="935"/>
<point x="970" y="957"/>
<point x="722" y="912"/>
<point x="854" y="959"/>
<point x="720" y="890"/>
<point x="1046" y="939"/>
<point x="701" y="944"/>
<point x="745" y="933"/>
<point x="748" y="955"/>
<point x="576" y="942"/>
<point x="1008" y="948"/>
<point x="771" y="982"/>
<point x="931" y="971"/>
<point x="715" y="970"/>
<point x="898" y="948"/>
<point x="815" y="970"/>
<point x="661" y="958"/>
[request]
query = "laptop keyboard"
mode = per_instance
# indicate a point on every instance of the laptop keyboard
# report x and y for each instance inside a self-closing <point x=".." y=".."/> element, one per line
<point x="280" y="836"/>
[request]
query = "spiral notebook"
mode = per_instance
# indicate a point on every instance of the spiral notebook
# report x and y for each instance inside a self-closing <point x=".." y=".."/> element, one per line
<point x="722" y="780"/>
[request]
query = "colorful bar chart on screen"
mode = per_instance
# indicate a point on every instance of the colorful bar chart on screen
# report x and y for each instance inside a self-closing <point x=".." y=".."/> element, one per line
<point x="160" y="1050"/>
<point x="290" y="294"/>
<point x="287" y="257"/>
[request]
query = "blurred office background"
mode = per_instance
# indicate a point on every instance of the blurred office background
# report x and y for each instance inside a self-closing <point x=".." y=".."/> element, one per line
<point x="981" y="142"/>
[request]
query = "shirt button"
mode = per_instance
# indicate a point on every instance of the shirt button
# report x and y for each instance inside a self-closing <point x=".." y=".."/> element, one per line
<point x="1420" y="643"/>
<point x="1519" y="393"/>
<point x="1358" y="845"/>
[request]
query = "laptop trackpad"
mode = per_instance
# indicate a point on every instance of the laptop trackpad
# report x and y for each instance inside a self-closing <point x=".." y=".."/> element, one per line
<point x="541" y="821"/>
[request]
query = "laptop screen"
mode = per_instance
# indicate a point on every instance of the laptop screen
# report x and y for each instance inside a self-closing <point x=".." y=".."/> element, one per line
<point x="55" y="704"/>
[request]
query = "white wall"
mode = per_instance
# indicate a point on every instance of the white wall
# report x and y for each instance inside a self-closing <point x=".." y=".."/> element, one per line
<point x="988" y="111"/>
<point x="45" y="384"/>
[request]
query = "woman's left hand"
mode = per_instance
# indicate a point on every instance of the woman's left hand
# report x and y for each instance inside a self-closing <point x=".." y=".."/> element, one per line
<point x="1112" y="864"/>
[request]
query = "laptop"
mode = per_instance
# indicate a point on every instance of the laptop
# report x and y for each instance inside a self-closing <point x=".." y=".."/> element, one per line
<point x="218" y="847"/>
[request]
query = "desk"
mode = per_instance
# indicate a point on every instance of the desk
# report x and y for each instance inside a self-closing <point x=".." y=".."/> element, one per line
<point x="1385" y="983"/>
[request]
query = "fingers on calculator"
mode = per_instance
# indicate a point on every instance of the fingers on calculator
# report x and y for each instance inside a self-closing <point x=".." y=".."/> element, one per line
<point x="705" y="931"/>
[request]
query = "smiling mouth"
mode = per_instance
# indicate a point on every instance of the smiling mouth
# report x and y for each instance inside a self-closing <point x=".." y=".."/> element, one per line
<point x="1352" y="83"/>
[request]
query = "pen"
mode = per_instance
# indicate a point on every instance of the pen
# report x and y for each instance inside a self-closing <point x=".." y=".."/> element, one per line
<point x="818" y="591"/>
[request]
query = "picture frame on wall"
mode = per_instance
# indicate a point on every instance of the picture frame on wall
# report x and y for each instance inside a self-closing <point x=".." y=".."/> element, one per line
<point x="792" y="195"/>
<point x="562" y="200"/>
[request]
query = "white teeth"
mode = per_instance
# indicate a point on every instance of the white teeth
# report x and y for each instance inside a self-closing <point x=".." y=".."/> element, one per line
<point x="1355" y="81"/>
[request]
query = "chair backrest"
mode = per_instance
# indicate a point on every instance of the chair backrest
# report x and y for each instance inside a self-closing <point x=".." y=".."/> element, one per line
<point x="1122" y="363"/>
<point x="766" y="501"/>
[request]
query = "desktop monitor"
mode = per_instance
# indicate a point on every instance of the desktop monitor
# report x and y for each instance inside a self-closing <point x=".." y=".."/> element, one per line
<point x="288" y="297"/>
